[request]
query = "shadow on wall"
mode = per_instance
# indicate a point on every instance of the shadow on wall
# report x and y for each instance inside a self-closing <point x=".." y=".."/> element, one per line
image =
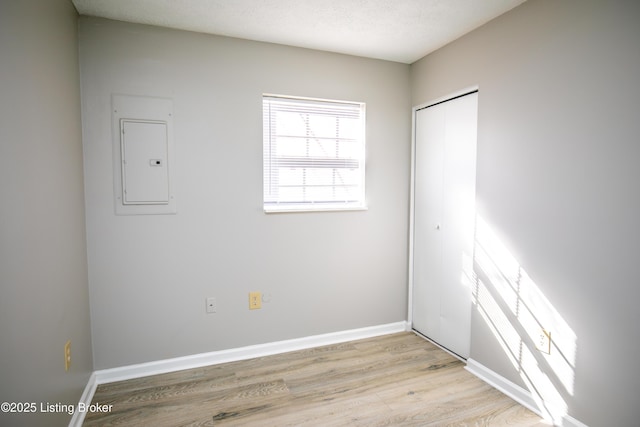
<point x="517" y="312"/>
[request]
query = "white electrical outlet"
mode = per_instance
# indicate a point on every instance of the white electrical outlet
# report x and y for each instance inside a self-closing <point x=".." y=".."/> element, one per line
<point x="543" y="341"/>
<point x="211" y="305"/>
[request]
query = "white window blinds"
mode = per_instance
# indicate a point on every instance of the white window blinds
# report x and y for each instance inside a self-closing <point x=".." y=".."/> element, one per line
<point x="313" y="154"/>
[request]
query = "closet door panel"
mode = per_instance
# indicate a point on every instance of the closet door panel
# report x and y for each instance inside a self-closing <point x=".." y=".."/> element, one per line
<point x="429" y="161"/>
<point x="444" y="221"/>
<point x="458" y="209"/>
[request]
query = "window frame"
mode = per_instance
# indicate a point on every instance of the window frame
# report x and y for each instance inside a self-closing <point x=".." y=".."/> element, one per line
<point x="307" y="163"/>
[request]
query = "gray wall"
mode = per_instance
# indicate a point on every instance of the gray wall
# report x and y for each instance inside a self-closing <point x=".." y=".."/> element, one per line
<point x="557" y="181"/>
<point x="43" y="270"/>
<point x="150" y="274"/>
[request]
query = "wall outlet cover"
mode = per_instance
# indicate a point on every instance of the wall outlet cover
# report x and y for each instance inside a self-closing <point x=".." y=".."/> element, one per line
<point x="210" y="303"/>
<point x="543" y="343"/>
<point x="67" y="355"/>
<point x="255" y="300"/>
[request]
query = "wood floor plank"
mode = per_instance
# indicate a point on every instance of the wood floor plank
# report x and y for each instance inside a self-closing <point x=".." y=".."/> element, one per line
<point x="398" y="379"/>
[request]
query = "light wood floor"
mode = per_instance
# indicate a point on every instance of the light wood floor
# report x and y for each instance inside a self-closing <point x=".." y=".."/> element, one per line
<point x="393" y="380"/>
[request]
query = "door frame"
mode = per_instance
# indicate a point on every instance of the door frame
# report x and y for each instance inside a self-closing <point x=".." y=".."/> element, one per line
<point x="414" y="110"/>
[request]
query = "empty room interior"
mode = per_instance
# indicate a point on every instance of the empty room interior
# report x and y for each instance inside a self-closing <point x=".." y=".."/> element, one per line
<point x="236" y="239"/>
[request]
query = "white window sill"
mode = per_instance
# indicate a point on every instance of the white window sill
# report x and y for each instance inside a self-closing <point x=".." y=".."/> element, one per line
<point x="291" y="209"/>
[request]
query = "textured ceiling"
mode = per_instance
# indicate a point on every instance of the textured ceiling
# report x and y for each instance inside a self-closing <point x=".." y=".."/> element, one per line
<point x="394" y="30"/>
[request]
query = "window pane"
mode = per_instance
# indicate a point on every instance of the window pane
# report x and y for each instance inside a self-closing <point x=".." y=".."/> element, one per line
<point x="290" y="147"/>
<point x="315" y="177"/>
<point x="321" y="126"/>
<point x="288" y="123"/>
<point x="291" y="194"/>
<point x="323" y="148"/>
<point x="350" y="150"/>
<point x="350" y="128"/>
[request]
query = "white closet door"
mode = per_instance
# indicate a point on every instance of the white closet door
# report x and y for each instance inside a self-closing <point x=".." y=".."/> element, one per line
<point x="427" y="265"/>
<point x="444" y="219"/>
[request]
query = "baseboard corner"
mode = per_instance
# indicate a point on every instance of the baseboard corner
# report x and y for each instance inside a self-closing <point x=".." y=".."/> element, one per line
<point x="520" y="395"/>
<point x="85" y="400"/>
<point x="512" y="390"/>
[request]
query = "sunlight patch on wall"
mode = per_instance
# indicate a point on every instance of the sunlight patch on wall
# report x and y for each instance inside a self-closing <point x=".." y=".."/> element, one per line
<point x="516" y="311"/>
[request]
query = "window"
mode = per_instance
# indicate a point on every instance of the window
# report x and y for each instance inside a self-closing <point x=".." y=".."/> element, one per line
<point x="313" y="154"/>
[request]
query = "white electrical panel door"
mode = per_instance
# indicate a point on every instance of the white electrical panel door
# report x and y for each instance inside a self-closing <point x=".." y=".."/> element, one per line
<point x="144" y="151"/>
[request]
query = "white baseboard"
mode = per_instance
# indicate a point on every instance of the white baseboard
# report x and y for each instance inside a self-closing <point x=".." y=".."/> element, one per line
<point x="242" y="353"/>
<point x="87" y="396"/>
<point x="517" y="393"/>
<point x="569" y="421"/>
<point x="512" y="390"/>
<point x="223" y="356"/>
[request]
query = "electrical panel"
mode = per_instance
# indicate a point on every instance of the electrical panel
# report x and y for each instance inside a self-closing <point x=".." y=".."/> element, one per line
<point x="143" y="155"/>
<point x="145" y="177"/>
